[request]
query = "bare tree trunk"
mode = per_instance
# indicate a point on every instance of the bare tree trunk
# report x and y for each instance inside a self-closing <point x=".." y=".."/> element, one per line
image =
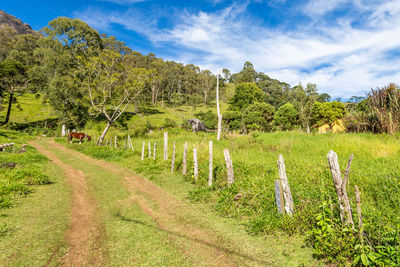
<point x="184" y="158"/>
<point x="285" y="185"/>
<point x="115" y="141"/>
<point x="210" y="163"/>
<point x="9" y="107"/>
<point x="104" y="132"/>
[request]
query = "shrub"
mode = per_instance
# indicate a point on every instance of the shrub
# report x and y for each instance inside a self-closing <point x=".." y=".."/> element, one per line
<point x="258" y="116"/>
<point x="209" y="118"/>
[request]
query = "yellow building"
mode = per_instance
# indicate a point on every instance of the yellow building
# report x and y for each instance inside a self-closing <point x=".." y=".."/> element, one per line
<point x="337" y="127"/>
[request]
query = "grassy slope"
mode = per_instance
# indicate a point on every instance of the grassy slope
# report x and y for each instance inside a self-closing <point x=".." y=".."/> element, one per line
<point x="31" y="109"/>
<point x="36" y="223"/>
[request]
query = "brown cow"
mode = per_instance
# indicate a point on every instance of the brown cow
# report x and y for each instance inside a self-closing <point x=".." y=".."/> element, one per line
<point x="79" y="136"/>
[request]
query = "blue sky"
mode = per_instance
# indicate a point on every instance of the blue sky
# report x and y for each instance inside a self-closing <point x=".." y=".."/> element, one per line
<point x="346" y="47"/>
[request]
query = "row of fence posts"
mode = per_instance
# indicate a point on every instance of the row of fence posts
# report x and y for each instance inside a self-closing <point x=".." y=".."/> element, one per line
<point x="283" y="194"/>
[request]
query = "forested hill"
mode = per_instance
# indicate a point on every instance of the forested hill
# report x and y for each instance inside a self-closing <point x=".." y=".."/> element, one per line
<point x="68" y="60"/>
<point x="17" y="24"/>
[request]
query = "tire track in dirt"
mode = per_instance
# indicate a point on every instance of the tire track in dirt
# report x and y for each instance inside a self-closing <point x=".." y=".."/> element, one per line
<point x="173" y="217"/>
<point x="86" y="232"/>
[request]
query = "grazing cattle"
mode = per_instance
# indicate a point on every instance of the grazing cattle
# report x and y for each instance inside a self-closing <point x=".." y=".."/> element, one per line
<point x="79" y="136"/>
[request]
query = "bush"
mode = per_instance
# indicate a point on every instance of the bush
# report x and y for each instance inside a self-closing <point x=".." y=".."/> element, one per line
<point x="168" y="123"/>
<point x="209" y="118"/>
<point x="258" y="116"/>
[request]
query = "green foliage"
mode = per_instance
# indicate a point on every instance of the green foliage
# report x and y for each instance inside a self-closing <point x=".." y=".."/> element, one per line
<point x="258" y="116"/>
<point x="168" y="123"/>
<point x="29" y="171"/>
<point x="286" y="117"/>
<point x="327" y="112"/>
<point x="232" y="119"/>
<point x="245" y="95"/>
<point x="209" y="118"/>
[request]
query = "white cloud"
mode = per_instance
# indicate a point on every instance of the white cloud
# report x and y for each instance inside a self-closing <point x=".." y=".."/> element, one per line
<point x="353" y="59"/>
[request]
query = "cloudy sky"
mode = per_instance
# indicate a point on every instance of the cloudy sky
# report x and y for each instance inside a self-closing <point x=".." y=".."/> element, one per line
<point x="346" y="47"/>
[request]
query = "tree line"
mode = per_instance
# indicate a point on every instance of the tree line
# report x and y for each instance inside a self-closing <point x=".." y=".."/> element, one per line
<point x="85" y="75"/>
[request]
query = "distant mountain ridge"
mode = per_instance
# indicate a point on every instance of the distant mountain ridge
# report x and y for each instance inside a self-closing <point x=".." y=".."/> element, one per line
<point x="17" y="24"/>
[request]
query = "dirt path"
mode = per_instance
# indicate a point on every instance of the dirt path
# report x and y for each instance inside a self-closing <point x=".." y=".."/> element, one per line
<point x="185" y="227"/>
<point x="86" y="232"/>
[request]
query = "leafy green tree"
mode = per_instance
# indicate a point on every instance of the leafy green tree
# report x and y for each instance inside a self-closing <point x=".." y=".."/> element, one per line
<point x="327" y="112"/>
<point x="111" y="85"/>
<point x="324" y="98"/>
<point x="286" y="117"/>
<point x="303" y="99"/>
<point x="12" y="77"/>
<point x="258" y="116"/>
<point x="247" y="74"/>
<point x="67" y="43"/>
<point x="245" y="95"/>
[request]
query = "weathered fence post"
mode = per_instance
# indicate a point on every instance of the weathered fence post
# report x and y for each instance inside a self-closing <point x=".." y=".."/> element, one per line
<point x="360" y="225"/>
<point x="154" y="152"/>
<point x="63" y="130"/>
<point x="340" y="186"/>
<point x="285" y="185"/>
<point x="229" y="167"/>
<point x="173" y="158"/>
<point x="143" y="151"/>
<point x="195" y="166"/>
<point x="165" y="145"/>
<point x="115" y="141"/>
<point x="149" y="150"/>
<point x="279" y="196"/>
<point x="184" y="159"/>
<point x="210" y="163"/>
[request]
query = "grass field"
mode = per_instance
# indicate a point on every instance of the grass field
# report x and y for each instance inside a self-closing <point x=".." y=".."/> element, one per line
<point x="375" y="171"/>
<point x="34" y="207"/>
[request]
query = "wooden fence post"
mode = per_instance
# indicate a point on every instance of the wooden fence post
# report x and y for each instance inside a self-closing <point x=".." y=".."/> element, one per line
<point x="143" y="151"/>
<point x="184" y="159"/>
<point x="229" y="166"/>
<point x="210" y="163"/>
<point x="63" y="132"/>
<point x="149" y="150"/>
<point x="340" y="186"/>
<point x="360" y="225"/>
<point x="115" y="141"/>
<point x="154" y="152"/>
<point x="195" y="166"/>
<point x="165" y="145"/>
<point x="173" y="159"/>
<point x="279" y="196"/>
<point x="287" y="194"/>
